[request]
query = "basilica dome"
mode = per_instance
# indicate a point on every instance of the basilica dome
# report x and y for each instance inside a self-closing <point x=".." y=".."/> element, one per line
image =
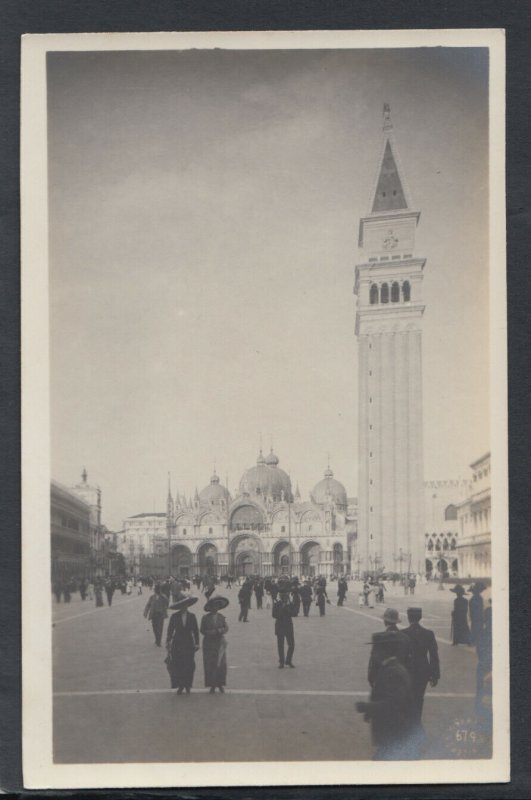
<point x="214" y="493"/>
<point x="329" y="489"/>
<point x="266" y="479"/>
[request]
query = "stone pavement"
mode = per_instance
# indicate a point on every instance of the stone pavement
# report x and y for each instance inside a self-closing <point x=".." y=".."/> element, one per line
<point x="112" y="701"/>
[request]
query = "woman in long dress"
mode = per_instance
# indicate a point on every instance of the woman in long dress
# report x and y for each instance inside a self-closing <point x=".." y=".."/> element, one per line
<point x="460" y="629"/>
<point x="322" y="598"/>
<point x="182" y="641"/>
<point x="214" y="627"/>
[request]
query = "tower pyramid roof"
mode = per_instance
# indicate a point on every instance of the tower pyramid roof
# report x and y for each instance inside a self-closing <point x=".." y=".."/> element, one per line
<point x="390" y="190"/>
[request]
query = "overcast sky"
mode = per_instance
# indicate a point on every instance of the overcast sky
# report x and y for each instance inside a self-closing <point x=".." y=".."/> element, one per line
<point x="204" y="212"/>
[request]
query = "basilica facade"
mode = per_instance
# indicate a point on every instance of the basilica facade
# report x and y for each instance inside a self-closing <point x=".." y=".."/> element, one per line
<point x="265" y="530"/>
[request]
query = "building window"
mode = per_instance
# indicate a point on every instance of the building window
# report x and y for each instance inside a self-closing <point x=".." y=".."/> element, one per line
<point x="210" y="531"/>
<point x="395" y="292"/>
<point x="450" y="512"/>
<point x="283" y="529"/>
<point x="309" y="527"/>
<point x="373" y="295"/>
<point x="385" y="293"/>
<point x="406" y="291"/>
<point x="184" y="531"/>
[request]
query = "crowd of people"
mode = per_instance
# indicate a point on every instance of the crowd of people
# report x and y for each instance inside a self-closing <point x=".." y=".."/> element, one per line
<point x="401" y="664"/>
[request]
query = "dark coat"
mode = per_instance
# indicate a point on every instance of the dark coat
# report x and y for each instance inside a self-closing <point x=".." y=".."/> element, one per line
<point x="475" y="608"/>
<point x="460" y="629"/>
<point x="213" y="628"/>
<point x="283" y="615"/>
<point x="424" y="655"/>
<point x="182" y="641"/>
<point x="391" y="705"/>
<point x="305" y="592"/>
<point x="403" y="651"/>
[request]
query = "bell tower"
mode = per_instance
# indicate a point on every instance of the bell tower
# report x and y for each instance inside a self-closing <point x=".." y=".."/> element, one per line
<point x="389" y="313"/>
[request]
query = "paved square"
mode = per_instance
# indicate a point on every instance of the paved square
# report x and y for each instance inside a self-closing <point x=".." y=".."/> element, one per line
<point x="112" y="701"/>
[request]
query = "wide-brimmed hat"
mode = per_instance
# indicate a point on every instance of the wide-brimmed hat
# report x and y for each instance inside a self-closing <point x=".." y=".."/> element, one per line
<point x="458" y="589"/>
<point x="216" y="603"/>
<point x="391" y="615"/>
<point x="478" y="587"/>
<point x="183" y="603"/>
<point x="414" y="611"/>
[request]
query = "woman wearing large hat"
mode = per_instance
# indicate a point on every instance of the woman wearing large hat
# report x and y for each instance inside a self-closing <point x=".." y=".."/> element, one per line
<point x="214" y="627"/>
<point x="182" y="641"/>
<point x="475" y="609"/>
<point x="460" y="629"/>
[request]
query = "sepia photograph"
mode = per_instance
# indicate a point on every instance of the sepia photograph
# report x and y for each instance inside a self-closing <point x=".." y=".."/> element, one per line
<point x="265" y="469"/>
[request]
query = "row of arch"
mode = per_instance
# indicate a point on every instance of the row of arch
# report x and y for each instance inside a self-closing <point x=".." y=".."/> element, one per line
<point x="384" y="294"/>
<point x="440" y="542"/>
<point x="245" y="557"/>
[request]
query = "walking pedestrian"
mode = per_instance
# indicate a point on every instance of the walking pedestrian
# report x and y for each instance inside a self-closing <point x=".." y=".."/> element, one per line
<point x="57" y="590"/>
<point x="182" y="642"/>
<point x="98" y="592"/>
<point x="259" y="592"/>
<point x="109" y="591"/>
<point x="156" y="611"/>
<point x="342" y="588"/>
<point x="244" y="598"/>
<point x="305" y="593"/>
<point x="423" y="660"/>
<point x="295" y="597"/>
<point x="214" y="627"/>
<point x="390" y="708"/>
<point x="460" y="629"/>
<point x="283" y="615"/>
<point x="321" y="598"/>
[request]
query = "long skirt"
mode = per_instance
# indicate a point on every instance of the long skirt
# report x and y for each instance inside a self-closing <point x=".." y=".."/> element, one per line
<point x="181" y="667"/>
<point x="215" y="660"/>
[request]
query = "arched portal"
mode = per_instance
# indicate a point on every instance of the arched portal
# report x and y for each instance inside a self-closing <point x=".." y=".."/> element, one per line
<point x="207" y="559"/>
<point x="442" y="566"/>
<point x="310" y="552"/>
<point x="245" y="556"/>
<point x="181" y="561"/>
<point x="280" y="558"/>
<point x="429" y="566"/>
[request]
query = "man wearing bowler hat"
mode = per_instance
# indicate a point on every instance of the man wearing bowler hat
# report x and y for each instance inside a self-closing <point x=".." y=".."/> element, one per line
<point x="424" y="659"/>
<point x="391" y="618"/>
<point x="283" y="612"/>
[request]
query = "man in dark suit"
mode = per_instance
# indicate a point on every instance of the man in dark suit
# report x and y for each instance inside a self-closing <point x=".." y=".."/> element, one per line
<point x="390" y="708"/>
<point x="305" y="592"/>
<point x="424" y="659"/>
<point x="283" y="612"/>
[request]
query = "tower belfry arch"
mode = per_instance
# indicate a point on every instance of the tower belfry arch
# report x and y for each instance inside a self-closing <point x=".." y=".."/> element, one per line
<point x="388" y="286"/>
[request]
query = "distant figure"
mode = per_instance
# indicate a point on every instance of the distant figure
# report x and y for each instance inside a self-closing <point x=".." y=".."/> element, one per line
<point x="109" y="591"/>
<point x="342" y="589"/>
<point x="475" y="609"/>
<point x="98" y="592"/>
<point x="214" y="627"/>
<point x="83" y="588"/>
<point x="182" y="641"/>
<point x="156" y="612"/>
<point x="423" y="661"/>
<point x="244" y="598"/>
<point x="283" y="616"/>
<point x="321" y="598"/>
<point x="412" y="583"/>
<point x="259" y="592"/>
<point x="295" y="598"/>
<point x="305" y="593"/>
<point x="460" y="629"/>
<point x="390" y="709"/>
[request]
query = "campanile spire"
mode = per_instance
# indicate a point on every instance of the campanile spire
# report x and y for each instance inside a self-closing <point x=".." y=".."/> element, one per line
<point x="389" y="331"/>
